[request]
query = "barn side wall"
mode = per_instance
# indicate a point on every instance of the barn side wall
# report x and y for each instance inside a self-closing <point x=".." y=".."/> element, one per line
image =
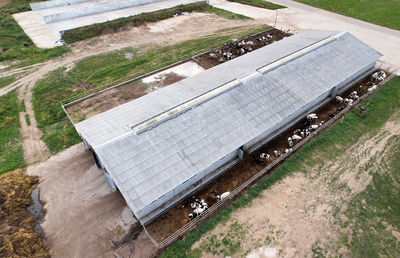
<point x="96" y="9"/>
<point x="168" y="200"/>
<point x="285" y="124"/>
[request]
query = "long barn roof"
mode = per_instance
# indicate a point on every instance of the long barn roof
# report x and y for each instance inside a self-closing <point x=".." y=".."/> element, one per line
<point x="153" y="144"/>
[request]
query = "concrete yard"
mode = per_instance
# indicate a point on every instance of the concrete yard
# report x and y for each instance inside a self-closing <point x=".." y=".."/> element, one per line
<point x="45" y="34"/>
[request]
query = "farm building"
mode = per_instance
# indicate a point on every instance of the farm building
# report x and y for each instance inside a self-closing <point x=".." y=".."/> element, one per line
<point x="161" y="147"/>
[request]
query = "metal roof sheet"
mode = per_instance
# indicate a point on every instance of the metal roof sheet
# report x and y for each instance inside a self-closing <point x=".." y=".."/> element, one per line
<point x="148" y="165"/>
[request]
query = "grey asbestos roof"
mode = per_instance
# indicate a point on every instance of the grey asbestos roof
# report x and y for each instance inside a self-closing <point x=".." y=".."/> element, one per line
<point x="150" y="164"/>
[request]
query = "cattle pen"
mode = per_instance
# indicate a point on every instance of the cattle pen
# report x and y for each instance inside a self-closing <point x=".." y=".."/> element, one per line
<point x="119" y="137"/>
<point x="264" y="172"/>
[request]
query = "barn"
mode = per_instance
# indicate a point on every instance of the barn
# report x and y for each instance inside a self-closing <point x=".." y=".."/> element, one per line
<point x="159" y="148"/>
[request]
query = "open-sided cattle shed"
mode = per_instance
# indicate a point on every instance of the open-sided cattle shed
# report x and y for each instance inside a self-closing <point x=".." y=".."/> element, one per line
<point x="161" y="147"/>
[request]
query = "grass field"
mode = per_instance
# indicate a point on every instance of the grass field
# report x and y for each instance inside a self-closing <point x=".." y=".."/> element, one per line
<point x="97" y="29"/>
<point x="4" y="81"/>
<point x="108" y="69"/>
<point x="15" y="44"/>
<point x="382" y="12"/>
<point x="374" y="214"/>
<point x="11" y="155"/>
<point x="259" y="3"/>
<point x="331" y="143"/>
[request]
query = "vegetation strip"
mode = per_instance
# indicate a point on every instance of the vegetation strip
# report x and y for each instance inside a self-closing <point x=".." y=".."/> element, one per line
<point x="383" y="104"/>
<point x="11" y="155"/>
<point x="98" y="29"/>
<point x="5" y="81"/>
<point x="382" y="12"/>
<point x="259" y="3"/>
<point x="27" y="120"/>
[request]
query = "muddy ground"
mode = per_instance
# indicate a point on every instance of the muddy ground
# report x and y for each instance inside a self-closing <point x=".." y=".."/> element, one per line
<point x="175" y="218"/>
<point x="119" y="95"/>
<point x="239" y="47"/>
<point x="17" y="225"/>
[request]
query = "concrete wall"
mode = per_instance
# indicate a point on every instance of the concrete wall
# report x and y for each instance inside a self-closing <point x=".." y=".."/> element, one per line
<point x="54" y="3"/>
<point x="95" y="9"/>
<point x="355" y="78"/>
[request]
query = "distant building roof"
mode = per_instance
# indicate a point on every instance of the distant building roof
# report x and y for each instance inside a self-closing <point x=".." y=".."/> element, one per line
<point x="149" y="152"/>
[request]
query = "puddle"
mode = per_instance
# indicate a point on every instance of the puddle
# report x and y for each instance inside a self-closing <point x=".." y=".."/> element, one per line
<point x="37" y="210"/>
<point x="187" y="69"/>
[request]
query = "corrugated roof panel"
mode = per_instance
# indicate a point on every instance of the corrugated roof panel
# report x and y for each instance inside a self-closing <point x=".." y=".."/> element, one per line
<point x="161" y="159"/>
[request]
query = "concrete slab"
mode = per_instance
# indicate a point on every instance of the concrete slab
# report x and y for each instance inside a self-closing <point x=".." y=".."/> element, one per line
<point x="45" y="35"/>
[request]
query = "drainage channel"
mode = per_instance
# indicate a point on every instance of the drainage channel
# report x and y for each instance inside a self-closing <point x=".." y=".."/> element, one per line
<point x="37" y="210"/>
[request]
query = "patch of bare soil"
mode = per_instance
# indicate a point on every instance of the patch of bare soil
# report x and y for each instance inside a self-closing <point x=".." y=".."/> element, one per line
<point x="299" y="216"/>
<point x="17" y="235"/>
<point x="83" y="86"/>
<point x="165" y="32"/>
<point x="4" y="3"/>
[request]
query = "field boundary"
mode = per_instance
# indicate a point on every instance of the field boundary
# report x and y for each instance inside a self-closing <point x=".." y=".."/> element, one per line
<point x="213" y="210"/>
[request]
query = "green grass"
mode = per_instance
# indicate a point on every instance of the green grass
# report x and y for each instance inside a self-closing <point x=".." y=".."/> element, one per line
<point x="259" y="3"/>
<point x="11" y="155"/>
<point x="375" y="212"/>
<point x="385" y="102"/>
<point x="382" y="12"/>
<point x="223" y="13"/>
<point x="15" y="44"/>
<point x="27" y="120"/>
<point x="226" y="243"/>
<point x="4" y="81"/>
<point x="97" y="29"/>
<point x="108" y="69"/>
